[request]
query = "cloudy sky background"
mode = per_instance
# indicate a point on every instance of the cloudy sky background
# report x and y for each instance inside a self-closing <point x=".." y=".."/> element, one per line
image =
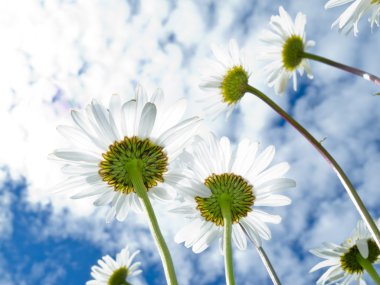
<point x="58" y="55"/>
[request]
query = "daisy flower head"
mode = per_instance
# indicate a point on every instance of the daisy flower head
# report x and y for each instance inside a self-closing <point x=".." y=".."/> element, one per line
<point x="242" y="177"/>
<point x="115" y="272"/>
<point x="282" y="50"/>
<point x="346" y="260"/>
<point x="105" y="140"/>
<point x="227" y="81"/>
<point x="350" y="18"/>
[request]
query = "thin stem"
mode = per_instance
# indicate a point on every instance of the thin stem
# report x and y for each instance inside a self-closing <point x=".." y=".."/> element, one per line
<point x="367" y="265"/>
<point x="268" y="265"/>
<point x="350" y="69"/>
<point x="334" y="165"/>
<point x="225" y="205"/>
<point x="134" y="171"/>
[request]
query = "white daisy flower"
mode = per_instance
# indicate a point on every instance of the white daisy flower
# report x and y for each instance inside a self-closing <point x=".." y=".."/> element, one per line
<point x="350" y="18"/>
<point x="343" y="259"/>
<point x="115" y="272"/>
<point x="227" y="82"/>
<point x="282" y="51"/>
<point x="104" y="140"/>
<point x="242" y="177"/>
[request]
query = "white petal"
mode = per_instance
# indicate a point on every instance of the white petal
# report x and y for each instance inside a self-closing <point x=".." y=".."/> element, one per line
<point x="104" y="199"/>
<point x="273" y="172"/>
<point x="273" y="200"/>
<point x="188" y="231"/>
<point x="76" y="156"/>
<point x="245" y="157"/>
<point x="267" y="218"/>
<point x="128" y="117"/>
<point x="363" y="247"/>
<point x="162" y="194"/>
<point x="173" y="114"/>
<point x="335" y="3"/>
<point x="84" y="124"/>
<point x="260" y="227"/>
<point x="90" y="192"/>
<point x="251" y="232"/>
<point x="148" y="117"/>
<point x="74" y="135"/>
<point x="274" y="185"/>
<point x="157" y="98"/>
<point x="325" y="263"/>
<point x="280" y="85"/>
<point x="101" y="117"/>
<point x="238" y="237"/>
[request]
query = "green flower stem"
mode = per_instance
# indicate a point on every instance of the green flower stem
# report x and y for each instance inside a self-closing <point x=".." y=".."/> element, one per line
<point x="353" y="70"/>
<point x="134" y="170"/>
<point x="225" y="206"/>
<point x="367" y="265"/>
<point x="335" y="166"/>
<point x="268" y="265"/>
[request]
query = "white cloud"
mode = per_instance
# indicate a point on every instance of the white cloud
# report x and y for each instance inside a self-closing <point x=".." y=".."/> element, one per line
<point x="6" y="200"/>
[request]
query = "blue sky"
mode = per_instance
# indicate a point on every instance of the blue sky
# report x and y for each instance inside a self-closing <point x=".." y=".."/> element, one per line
<point x="59" y="55"/>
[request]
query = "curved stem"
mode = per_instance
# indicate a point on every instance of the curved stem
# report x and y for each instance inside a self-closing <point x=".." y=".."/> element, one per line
<point x="367" y="265"/>
<point x="225" y="206"/>
<point x="350" y="69"/>
<point x="134" y="171"/>
<point x="334" y="165"/>
<point x="268" y="265"/>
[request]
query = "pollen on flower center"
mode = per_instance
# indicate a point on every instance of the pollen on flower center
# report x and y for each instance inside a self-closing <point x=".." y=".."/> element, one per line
<point x="230" y="185"/>
<point x="292" y="52"/>
<point x="349" y="261"/>
<point x="234" y="84"/>
<point x="119" y="277"/>
<point x="113" y="168"/>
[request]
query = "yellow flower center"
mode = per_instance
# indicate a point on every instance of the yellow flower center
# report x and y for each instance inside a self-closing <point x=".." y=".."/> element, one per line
<point x="226" y="186"/>
<point x="234" y="84"/>
<point x="113" y="168"/>
<point x="119" y="277"/>
<point x="292" y="52"/>
<point x="349" y="260"/>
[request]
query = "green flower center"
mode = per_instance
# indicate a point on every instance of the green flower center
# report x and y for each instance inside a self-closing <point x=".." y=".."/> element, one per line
<point x="292" y="52"/>
<point x="375" y="2"/>
<point x="234" y="84"/>
<point x="349" y="260"/>
<point x="113" y="168"/>
<point x="119" y="277"/>
<point x="226" y="186"/>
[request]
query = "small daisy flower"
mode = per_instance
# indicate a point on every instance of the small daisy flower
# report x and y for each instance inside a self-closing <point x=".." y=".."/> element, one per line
<point x="242" y="178"/>
<point x="105" y="140"/>
<point x="345" y="260"/>
<point x="115" y="272"/>
<point x="283" y="49"/>
<point x="228" y="82"/>
<point x="350" y="18"/>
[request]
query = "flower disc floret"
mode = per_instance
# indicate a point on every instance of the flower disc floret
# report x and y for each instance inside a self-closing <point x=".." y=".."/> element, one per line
<point x="292" y="52"/>
<point x="234" y="84"/>
<point x="119" y="277"/>
<point x="349" y="261"/>
<point x="226" y="186"/>
<point x="114" y="167"/>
